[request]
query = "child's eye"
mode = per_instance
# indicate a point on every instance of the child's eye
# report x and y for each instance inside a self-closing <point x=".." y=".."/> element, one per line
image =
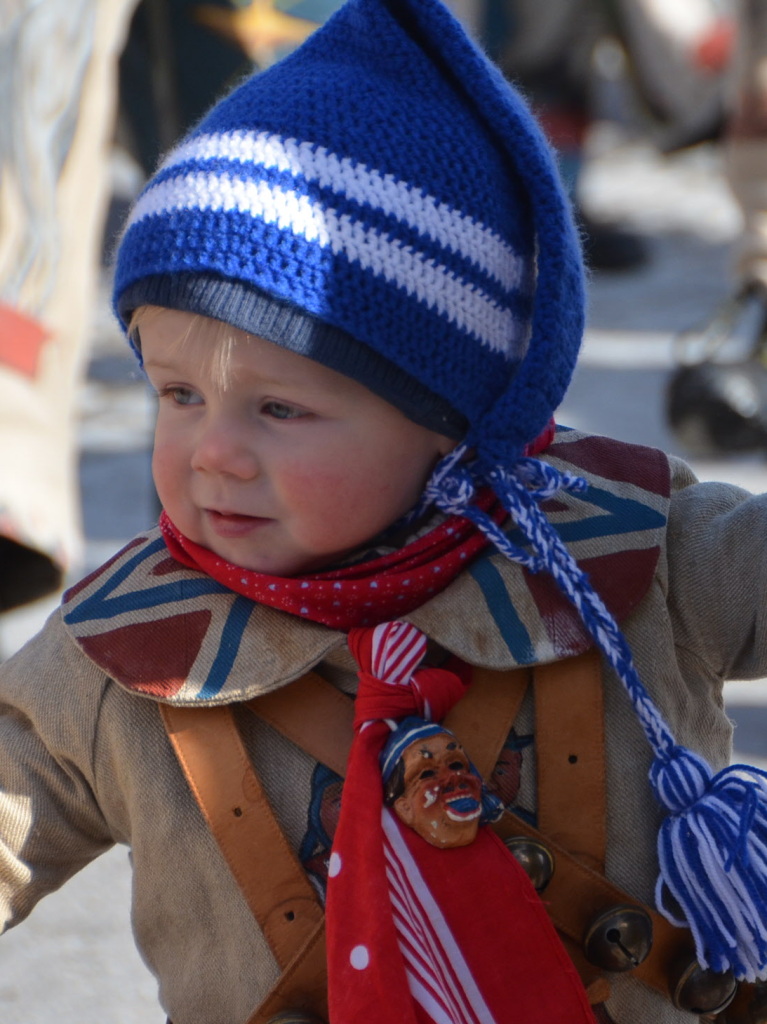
<point x="180" y="395"/>
<point x="281" y="411"/>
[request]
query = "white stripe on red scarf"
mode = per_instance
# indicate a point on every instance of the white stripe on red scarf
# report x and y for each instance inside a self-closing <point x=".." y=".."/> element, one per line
<point x="440" y="980"/>
<point x="398" y="648"/>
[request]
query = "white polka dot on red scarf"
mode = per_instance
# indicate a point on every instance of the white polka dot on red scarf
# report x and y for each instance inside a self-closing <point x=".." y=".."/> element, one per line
<point x="360" y="958"/>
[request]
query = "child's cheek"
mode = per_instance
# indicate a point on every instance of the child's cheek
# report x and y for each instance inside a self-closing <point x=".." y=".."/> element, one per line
<point x="162" y="464"/>
<point x="322" y="484"/>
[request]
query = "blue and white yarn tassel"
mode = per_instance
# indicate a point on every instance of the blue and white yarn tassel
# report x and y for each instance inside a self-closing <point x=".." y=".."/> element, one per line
<point x="712" y="850"/>
<point x="712" y="846"/>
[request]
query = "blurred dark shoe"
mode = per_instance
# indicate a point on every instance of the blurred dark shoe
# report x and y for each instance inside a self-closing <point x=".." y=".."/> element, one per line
<point x="611" y="248"/>
<point x="716" y="399"/>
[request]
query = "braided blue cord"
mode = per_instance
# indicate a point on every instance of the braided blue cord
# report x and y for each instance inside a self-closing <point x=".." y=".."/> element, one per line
<point x="452" y="489"/>
<point x="712" y="846"/>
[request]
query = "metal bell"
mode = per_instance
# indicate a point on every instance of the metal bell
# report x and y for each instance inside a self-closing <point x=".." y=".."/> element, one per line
<point x="748" y="1007"/>
<point x="535" y="857"/>
<point x="619" y="939"/>
<point x="700" y="991"/>
<point x="294" y="1017"/>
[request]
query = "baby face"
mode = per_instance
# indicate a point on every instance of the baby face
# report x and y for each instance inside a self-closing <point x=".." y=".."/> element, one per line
<point x="284" y="466"/>
<point x="442" y="797"/>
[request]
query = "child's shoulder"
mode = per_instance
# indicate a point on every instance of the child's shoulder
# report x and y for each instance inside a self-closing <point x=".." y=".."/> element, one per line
<point x="595" y="456"/>
<point x="175" y="634"/>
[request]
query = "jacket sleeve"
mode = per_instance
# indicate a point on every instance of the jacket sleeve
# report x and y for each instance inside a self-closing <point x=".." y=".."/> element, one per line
<point x="50" y="821"/>
<point x="717" y="571"/>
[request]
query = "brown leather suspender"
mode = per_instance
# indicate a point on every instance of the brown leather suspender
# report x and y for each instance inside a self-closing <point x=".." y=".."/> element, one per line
<point x="212" y="755"/>
<point x="315" y="715"/>
<point x="569" y="756"/>
<point x="233" y="801"/>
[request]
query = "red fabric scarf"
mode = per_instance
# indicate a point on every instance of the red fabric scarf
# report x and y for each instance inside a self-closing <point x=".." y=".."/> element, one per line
<point x="356" y="595"/>
<point x="418" y="934"/>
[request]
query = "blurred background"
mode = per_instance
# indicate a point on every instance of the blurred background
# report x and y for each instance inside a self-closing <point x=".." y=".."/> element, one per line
<point x="659" y="114"/>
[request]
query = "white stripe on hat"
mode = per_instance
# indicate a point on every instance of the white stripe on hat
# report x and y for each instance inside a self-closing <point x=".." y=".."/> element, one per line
<point x="447" y="226"/>
<point x="460" y="302"/>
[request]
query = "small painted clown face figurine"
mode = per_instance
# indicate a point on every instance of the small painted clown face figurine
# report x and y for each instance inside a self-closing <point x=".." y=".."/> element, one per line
<point x="442" y="795"/>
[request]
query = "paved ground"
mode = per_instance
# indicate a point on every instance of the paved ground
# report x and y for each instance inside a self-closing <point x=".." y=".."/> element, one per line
<point x="73" y="961"/>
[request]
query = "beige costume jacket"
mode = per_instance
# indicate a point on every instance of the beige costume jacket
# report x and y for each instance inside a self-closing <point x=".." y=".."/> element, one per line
<point x="85" y="761"/>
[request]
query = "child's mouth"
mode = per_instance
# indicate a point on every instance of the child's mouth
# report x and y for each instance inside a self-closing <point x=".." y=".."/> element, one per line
<point x="233" y="524"/>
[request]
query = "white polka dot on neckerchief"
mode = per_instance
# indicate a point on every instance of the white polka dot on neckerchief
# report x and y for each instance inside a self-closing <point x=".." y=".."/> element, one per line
<point x="334" y="865"/>
<point x="359" y="958"/>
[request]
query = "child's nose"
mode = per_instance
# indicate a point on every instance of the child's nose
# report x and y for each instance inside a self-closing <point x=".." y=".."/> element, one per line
<point x="224" y="447"/>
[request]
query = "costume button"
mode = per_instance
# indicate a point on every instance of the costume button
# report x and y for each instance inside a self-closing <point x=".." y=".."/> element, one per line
<point x="535" y="857"/>
<point x="700" y="991"/>
<point x="748" y="1007"/>
<point x="619" y="939"/>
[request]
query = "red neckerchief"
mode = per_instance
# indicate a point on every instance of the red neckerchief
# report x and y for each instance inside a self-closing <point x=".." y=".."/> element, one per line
<point x="418" y="934"/>
<point x="370" y="592"/>
<point x="356" y="595"/>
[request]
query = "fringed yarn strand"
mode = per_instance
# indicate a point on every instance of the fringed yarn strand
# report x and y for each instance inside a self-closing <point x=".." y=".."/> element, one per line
<point x="520" y="495"/>
<point x="713" y="860"/>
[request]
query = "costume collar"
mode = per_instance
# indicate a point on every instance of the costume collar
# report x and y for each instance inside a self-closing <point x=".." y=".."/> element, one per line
<point x="174" y="634"/>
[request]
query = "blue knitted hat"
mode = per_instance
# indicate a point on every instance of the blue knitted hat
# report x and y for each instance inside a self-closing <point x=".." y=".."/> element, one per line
<point x="394" y="194"/>
<point x="383" y="202"/>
